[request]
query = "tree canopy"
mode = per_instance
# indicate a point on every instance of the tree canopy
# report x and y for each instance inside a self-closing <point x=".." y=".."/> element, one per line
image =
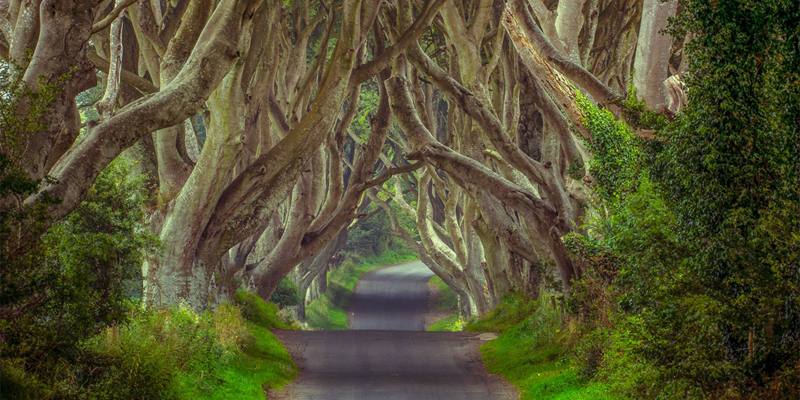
<point x="643" y="151"/>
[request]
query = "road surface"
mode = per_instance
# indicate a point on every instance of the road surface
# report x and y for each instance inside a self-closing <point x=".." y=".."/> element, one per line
<point x="387" y="356"/>
<point x="392" y="299"/>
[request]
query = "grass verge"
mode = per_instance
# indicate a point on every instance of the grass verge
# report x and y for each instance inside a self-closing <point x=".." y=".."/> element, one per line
<point x="328" y="311"/>
<point x="262" y="365"/>
<point x="179" y="354"/>
<point x="532" y="352"/>
<point x="450" y="323"/>
<point x="444" y="304"/>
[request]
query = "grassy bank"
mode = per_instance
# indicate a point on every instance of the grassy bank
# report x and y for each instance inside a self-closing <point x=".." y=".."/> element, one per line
<point x="444" y="303"/>
<point x="328" y="311"/>
<point x="533" y="352"/>
<point x="179" y="354"/>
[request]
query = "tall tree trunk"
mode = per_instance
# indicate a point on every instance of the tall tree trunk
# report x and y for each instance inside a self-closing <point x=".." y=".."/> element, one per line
<point x="651" y="65"/>
<point x="177" y="274"/>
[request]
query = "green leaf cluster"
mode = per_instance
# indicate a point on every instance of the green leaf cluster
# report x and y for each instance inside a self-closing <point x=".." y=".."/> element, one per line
<point x="703" y="227"/>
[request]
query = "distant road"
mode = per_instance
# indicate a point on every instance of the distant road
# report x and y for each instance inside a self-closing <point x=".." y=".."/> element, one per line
<point x="387" y="356"/>
<point x="392" y="299"/>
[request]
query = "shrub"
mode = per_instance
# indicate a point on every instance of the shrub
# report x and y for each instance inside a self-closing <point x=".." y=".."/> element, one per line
<point x="18" y="384"/>
<point x="165" y="354"/>
<point x="71" y="284"/>
<point x="255" y="309"/>
<point x="616" y="161"/>
<point x="153" y="347"/>
<point x="285" y="295"/>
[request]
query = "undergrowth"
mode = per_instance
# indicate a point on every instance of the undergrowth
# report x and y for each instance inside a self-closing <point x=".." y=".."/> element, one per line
<point x="180" y="354"/>
<point x="445" y="301"/>
<point x="534" y="350"/>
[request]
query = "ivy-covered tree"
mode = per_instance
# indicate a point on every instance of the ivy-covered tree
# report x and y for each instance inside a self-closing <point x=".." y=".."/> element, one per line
<point x="730" y="170"/>
<point x="702" y="224"/>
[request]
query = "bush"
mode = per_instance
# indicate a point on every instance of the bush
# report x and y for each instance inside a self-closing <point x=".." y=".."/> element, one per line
<point x="166" y="354"/>
<point x="285" y="295"/>
<point x="703" y="237"/>
<point x="18" y="384"/>
<point x="70" y="285"/>
<point x="153" y="347"/>
<point x="180" y="354"/>
<point x="256" y="310"/>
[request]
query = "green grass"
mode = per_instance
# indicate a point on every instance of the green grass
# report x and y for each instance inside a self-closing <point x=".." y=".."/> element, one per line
<point x="450" y="323"/>
<point x="179" y="354"/>
<point x="510" y="312"/>
<point x="328" y="311"/>
<point x="445" y="301"/>
<point x="263" y="363"/>
<point x="323" y="314"/>
<point x="531" y="352"/>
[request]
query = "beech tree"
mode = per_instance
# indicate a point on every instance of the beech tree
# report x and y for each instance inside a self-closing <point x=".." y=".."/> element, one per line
<point x="241" y="111"/>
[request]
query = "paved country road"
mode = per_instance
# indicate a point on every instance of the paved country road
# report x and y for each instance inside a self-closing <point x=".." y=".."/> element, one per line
<point x="387" y="356"/>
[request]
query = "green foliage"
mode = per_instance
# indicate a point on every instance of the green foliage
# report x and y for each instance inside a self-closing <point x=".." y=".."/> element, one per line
<point x="72" y="284"/>
<point x="367" y="105"/>
<point x="371" y="237"/>
<point x="450" y="323"/>
<point x="70" y="326"/>
<point x="180" y="354"/>
<point x="85" y="276"/>
<point x="445" y="301"/>
<point x="626" y="370"/>
<point x="21" y="110"/>
<point x="512" y="310"/>
<point x="729" y="170"/>
<point x="261" y="361"/>
<point x="166" y="354"/>
<point x="285" y="295"/>
<point x="152" y="348"/>
<point x="60" y="287"/>
<point x="323" y="314"/>
<point x="616" y="160"/>
<point x="532" y="350"/>
<point x="21" y="113"/>
<point x="702" y="245"/>
<point x="255" y="309"/>
<point x="637" y="115"/>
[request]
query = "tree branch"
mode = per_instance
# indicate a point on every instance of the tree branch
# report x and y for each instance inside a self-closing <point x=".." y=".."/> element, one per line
<point x="518" y="21"/>
<point x="389" y="173"/>
<point x="209" y="63"/>
<point x="409" y="36"/>
<point x="115" y="12"/>
<point x="143" y="85"/>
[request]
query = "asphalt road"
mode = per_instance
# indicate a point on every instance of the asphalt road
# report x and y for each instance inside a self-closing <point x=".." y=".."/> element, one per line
<point x="387" y="356"/>
<point x="392" y="299"/>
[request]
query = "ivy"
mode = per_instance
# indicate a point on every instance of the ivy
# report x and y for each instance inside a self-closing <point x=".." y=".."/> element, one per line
<point x="616" y="157"/>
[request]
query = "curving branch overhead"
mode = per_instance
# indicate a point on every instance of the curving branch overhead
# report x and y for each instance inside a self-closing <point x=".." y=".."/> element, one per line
<point x="252" y="114"/>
